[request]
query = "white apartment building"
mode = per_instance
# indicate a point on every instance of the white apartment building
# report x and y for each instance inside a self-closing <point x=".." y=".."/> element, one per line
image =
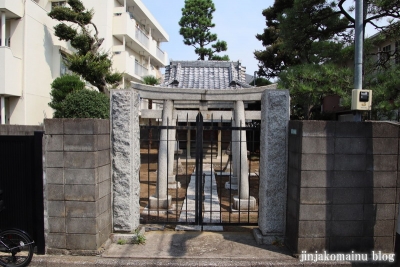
<point x="31" y="55"/>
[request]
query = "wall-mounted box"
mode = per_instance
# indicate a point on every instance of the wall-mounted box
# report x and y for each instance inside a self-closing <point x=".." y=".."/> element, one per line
<point x="361" y="99"/>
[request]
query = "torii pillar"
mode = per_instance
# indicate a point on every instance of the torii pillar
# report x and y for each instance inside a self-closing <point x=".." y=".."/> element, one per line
<point x="243" y="201"/>
<point x="172" y="146"/>
<point x="232" y="184"/>
<point x="161" y="199"/>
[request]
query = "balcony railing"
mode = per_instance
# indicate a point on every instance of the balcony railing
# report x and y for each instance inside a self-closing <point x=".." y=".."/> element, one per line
<point x="142" y="37"/>
<point x="140" y="70"/>
<point x="136" y="38"/>
<point x="160" y="54"/>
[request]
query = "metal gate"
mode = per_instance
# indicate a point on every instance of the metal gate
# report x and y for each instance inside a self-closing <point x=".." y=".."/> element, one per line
<point x="21" y="180"/>
<point x="203" y="192"/>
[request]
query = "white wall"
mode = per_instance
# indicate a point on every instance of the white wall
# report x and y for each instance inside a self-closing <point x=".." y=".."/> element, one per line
<point x="103" y="18"/>
<point x="31" y="38"/>
<point x="16" y="34"/>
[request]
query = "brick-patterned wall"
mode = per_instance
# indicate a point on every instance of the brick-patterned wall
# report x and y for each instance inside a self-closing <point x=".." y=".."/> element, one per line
<point x="78" y="184"/>
<point x="342" y="186"/>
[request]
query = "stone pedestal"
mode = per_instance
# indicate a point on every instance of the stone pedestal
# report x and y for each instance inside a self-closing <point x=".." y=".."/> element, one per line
<point x="161" y="203"/>
<point x="243" y="204"/>
<point x="172" y="183"/>
<point x="268" y="238"/>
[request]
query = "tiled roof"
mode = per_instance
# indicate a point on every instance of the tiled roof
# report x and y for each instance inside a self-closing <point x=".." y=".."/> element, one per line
<point x="205" y="75"/>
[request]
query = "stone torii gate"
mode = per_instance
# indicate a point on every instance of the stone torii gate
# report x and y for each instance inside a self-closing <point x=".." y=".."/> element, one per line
<point x="165" y="176"/>
<point x="273" y="159"/>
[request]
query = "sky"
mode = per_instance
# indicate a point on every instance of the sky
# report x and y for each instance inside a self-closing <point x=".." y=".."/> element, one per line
<point x="237" y="22"/>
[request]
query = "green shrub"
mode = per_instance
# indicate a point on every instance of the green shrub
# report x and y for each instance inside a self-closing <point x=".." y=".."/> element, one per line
<point x="121" y="242"/>
<point x="86" y="104"/>
<point x="150" y="80"/>
<point x="61" y="87"/>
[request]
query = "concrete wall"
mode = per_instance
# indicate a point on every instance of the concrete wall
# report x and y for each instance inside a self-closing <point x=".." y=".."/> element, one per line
<point x="19" y="129"/>
<point x="342" y="186"/>
<point x="77" y="184"/>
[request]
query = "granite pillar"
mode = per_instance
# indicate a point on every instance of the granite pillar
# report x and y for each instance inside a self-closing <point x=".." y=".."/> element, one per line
<point x="125" y="135"/>
<point x="275" y="113"/>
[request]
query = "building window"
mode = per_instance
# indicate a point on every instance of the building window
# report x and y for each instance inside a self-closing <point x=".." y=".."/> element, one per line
<point x="384" y="54"/>
<point x="386" y="50"/>
<point x="63" y="68"/>
<point x="8" y="42"/>
<point x="56" y="4"/>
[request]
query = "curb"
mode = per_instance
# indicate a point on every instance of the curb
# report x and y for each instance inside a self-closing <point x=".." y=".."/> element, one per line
<point x="93" y="261"/>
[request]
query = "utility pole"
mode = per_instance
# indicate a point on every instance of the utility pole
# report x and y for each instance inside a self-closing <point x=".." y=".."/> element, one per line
<point x="359" y="43"/>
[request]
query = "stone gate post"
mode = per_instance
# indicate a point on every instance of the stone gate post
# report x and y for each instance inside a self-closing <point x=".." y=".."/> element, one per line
<point x="125" y="139"/>
<point x="275" y="112"/>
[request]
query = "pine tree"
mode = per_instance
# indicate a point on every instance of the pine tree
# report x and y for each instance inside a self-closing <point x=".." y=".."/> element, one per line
<point x="89" y="60"/>
<point x="196" y="23"/>
<point x="314" y="31"/>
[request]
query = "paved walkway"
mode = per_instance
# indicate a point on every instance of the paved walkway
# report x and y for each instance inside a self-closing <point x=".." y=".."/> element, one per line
<point x="178" y="248"/>
<point x="211" y="205"/>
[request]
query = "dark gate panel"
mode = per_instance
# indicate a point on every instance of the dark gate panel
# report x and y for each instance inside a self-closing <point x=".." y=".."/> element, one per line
<point x="203" y="198"/>
<point x="21" y="174"/>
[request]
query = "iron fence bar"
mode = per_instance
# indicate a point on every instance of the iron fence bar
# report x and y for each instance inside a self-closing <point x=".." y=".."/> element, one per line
<point x="248" y="156"/>
<point x="240" y="170"/>
<point x="148" y="175"/>
<point x="201" y="172"/>
<point x="240" y="164"/>
<point x="211" y="162"/>
<point x="254" y="139"/>
<point x="177" y="127"/>
<point x="168" y="166"/>
<point x="176" y="172"/>
<point x="220" y="177"/>
<point x="230" y="174"/>
<point x="205" y="128"/>
<point x="157" y="177"/>
<point x="199" y="169"/>
<point x="186" y="179"/>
